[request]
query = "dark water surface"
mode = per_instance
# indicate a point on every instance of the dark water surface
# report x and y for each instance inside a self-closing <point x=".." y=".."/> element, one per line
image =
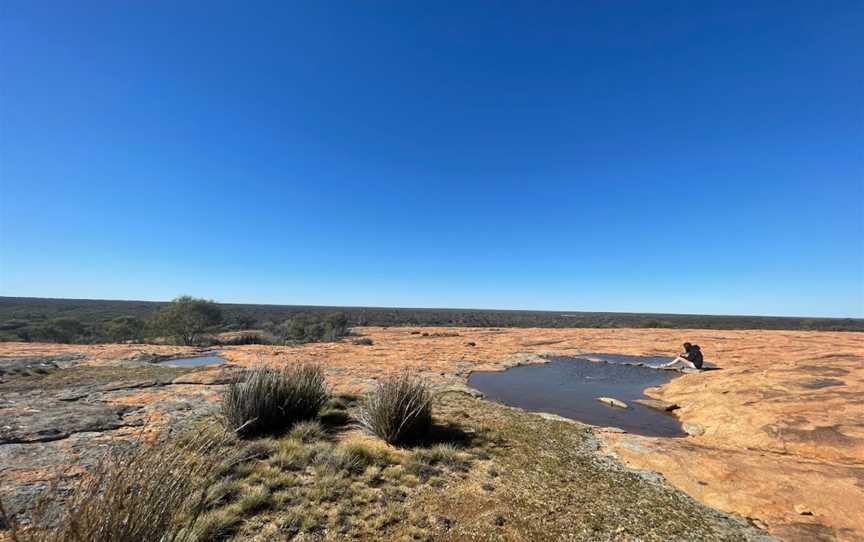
<point x="570" y="387"/>
<point x="653" y="361"/>
<point x="197" y="361"/>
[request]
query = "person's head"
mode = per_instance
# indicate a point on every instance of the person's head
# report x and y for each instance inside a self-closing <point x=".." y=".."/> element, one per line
<point x="687" y="346"/>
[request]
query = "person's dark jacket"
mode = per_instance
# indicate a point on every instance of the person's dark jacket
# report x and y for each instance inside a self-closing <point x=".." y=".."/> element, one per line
<point x="694" y="355"/>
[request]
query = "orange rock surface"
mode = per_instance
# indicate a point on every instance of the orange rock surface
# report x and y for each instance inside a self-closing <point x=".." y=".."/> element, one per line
<point x="782" y="422"/>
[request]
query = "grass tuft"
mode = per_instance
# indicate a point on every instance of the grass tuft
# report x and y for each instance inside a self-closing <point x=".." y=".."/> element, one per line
<point x="265" y="400"/>
<point x="443" y="454"/>
<point x="398" y="410"/>
<point x="307" y="431"/>
<point x="149" y="492"/>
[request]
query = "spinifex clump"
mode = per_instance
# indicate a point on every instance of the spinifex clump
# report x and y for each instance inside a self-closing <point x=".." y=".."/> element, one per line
<point x="398" y="410"/>
<point x="265" y="400"/>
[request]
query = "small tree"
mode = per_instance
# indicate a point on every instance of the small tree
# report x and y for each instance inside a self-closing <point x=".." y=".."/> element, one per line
<point x="187" y="318"/>
<point x="124" y="328"/>
<point x="61" y="330"/>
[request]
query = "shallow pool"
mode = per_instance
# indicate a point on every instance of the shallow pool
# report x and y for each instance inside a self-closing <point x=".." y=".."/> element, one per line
<point x="651" y="361"/>
<point x="570" y="387"/>
<point x="211" y="359"/>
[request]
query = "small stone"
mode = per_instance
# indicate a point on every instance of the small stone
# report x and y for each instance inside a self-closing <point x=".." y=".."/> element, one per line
<point x="803" y="510"/>
<point x="445" y="522"/>
<point x="694" y="429"/>
<point x="759" y="523"/>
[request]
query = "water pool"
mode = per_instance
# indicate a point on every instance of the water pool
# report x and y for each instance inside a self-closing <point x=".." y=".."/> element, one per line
<point x="570" y="387"/>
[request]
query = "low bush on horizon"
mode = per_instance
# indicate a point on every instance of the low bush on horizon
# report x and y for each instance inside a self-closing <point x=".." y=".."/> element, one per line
<point x="265" y="400"/>
<point x="305" y="328"/>
<point x="398" y="410"/>
<point x="244" y="339"/>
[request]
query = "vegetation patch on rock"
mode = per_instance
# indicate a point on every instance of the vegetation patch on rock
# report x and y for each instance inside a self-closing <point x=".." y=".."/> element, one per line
<point x="266" y="400"/>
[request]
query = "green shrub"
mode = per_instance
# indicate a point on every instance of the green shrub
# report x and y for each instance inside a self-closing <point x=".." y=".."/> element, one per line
<point x="398" y="410"/>
<point x="265" y="400"/>
<point x="244" y="339"/>
<point x="61" y="330"/>
<point x="187" y="319"/>
<point x="124" y="328"/>
<point x="304" y="328"/>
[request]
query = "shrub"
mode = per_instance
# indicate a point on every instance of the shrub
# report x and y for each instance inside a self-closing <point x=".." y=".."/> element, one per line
<point x="61" y="330"/>
<point x="304" y="328"/>
<point x="151" y="492"/>
<point x="244" y="339"/>
<point x="265" y="400"/>
<point x="124" y="328"/>
<point x="398" y="410"/>
<point x="187" y="319"/>
<point x="363" y="341"/>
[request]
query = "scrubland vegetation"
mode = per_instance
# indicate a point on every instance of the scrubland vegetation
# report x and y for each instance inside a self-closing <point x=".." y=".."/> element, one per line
<point x="185" y="320"/>
<point x="90" y="321"/>
<point x="286" y="457"/>
<point x="471" y="470"/>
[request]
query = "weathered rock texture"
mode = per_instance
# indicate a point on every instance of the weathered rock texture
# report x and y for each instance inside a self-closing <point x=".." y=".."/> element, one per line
<point x="779" y="429"/>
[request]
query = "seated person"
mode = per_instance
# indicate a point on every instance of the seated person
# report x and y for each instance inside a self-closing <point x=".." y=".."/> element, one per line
<point x="691" y="357"/>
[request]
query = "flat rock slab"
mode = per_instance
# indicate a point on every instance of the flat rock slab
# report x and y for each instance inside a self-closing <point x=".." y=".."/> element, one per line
<point x="51" y="419"/>
<point x="612" y="402"/>
<point x="29" y="365"/>
<point x="657" y="404"/>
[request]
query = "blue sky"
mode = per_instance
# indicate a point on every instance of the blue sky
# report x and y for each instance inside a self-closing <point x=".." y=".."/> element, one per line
<point x="695" y="157"/>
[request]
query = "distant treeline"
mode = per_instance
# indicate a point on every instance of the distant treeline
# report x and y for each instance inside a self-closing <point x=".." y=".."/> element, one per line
<point x="185" y="320"/>
<point x="84" y="320"/>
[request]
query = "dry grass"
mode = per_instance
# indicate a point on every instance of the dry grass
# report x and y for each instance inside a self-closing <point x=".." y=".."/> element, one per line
<point x="149" y="492"/>
<point x="312" y="483"/>
<point x="398" y="410"/>
<point x="265" y="400"/>
<point x="308" y="431"/>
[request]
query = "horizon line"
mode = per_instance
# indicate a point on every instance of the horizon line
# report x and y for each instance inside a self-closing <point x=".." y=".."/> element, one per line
<point x="563" y="312"/>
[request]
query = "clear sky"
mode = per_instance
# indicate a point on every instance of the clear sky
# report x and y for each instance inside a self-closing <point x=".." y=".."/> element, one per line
<point x="697" y="157"/>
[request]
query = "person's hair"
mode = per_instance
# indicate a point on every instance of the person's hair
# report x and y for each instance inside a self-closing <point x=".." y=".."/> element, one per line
<point x="686" y="345"/>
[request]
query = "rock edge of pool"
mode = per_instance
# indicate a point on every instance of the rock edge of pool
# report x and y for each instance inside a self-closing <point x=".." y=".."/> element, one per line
<point x="578" y="387"/>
